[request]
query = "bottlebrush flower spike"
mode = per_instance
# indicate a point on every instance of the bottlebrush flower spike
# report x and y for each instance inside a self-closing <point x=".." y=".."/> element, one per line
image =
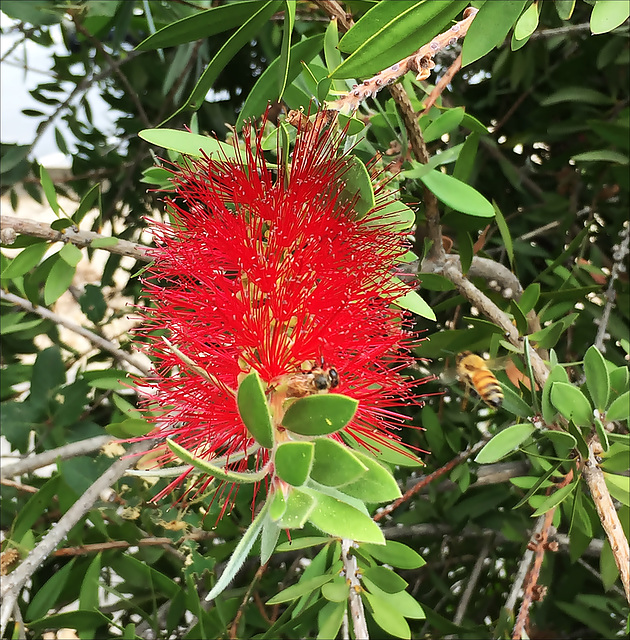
<point x="268" y="270"/>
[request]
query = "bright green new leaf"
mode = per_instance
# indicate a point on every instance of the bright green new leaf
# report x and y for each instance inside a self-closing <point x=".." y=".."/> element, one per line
<point x="620" y="408"/>
<point x="335" y="464"/>
<point x="608" y="15"/>
<point x="572" y="403"/>
<point x="70" y="254"/>
<point x="293" y="461"/>
<point x="413" y="301"/>
<point x="320" y="415"/>
<point x="457" y="194"/>
<point x="376" y="485"/>
<point x="504" y="442"/>
<point x="254" y="410"/>
<point x="339" y="519"/>
<point x="527" y="23"/>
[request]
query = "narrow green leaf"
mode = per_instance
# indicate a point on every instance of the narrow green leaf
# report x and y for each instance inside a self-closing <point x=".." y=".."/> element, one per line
<point x="285" y="51"/>
<point x="81" y="621"/>
<point x="266" y="87"/>
<point x="607" y="566"/>
<point x="87" y="202"/>
<point x="331" y="51"/>
<point x="239" y="555"/>
<point x="555" y="499"/>
<point x="254" y="410"/>
<point x="217" y="472"/>
<point x="514" y="404"/>
<point x="36" y="505"/>
<point x="100" y="243"/>
<point x="445" y="123"/>
<point x="620" y="408"/>
<point x="320" y="414"/>
<point x="70" y="254"/>
<point x="88" y="596"/>
<point x="358" y="187"/>
<point x="49" y="189"/>
<point x="490" y="28"/>
<point x="190" y="144"/>
<point x="334" y="464"/>
<point x="529" y="297"/>
<point x="385" y="579"/>
<point x="457" y="194"/>
<point x="504" y="442"/>
<point x="572" y="403"/>
<point x="336" y="591"/>
<point x="401" y="601"/>
<point x="564" y="8"/>
<point x="293" y="461"/>
<point x="200" y="25"/>
<point x="504" y="230"/>
<point x="299" y="506"/>
<point x="300" y="589"/>
<point x="395" y="553"/>
<point x="597" y="378"/>
<point x="576" y="94"/>
<point x="467" y="157"/>
<point x="411" y="25"/>
<point x="48" y="594"/>
<point x="386" y="617"/>
<point x="268" y="539"/>
<point x="386" y="450"/>
<point x="602" y="434"/>
<point x="330" y="617"/>
<point x="601" y="155"/>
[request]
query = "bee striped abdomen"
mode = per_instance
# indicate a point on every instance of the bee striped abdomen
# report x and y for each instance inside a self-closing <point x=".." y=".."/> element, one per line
<point x="473" y="371"/>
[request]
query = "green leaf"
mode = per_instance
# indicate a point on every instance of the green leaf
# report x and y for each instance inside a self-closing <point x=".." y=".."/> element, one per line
<point x="335" y="464"/>
<point x="619" y="379"/>
<point x="200" y="25"/>
<point x="101" y="243"/>
<point x="564" y="8"/>
<point x="88" y="597"/>
<point x="241" y="37"/>
<point x="401" y="601"/>
<point x="504" y="442"/>
<point x="358" y="188"/>
<point x="190" y="144"/>
<point x="287" y="31"/>
<point x="607" y="16"/>
<point x="87" y="202"/>
<point x="386" y="450"/>
<point x="597" y="378"/>
<point x="490" y="28"/>
<point x="466" y="159"/>
<point x="70" y="254"/>
<point x="504" y="230"/>
<point x="299" y="507"/>
<point x="36" y="505"/>
<point x="254" y="410"/>
<point x="413" y="301"/>
<point x="572" y="404"/>
<point x="25" y="260"/>
<point x="562" y="441"/>
<point x="527" y="23"/>
<point x="395" y="553"/>
<point x="457" y="194"/>
<point x="557" y="374"/>
<point x="376" y="485"/>
<point x="130" y="428"/>
<point x="332" y="56"/>
<point x="278" y="504"/>
<point x="514" y="404"/>
<point x="329" y="618"/>
<point x="336" y="591"/>
<point x="385" y="579"/>
<point x="385" y="35"/>
<point x="576" y="94"/>
<point x="47" y="595"/>
<point x="619" y="487"/>
<point x="555" y="498"/>
<point x="293" y="461"/>
<point x="302" y="543"/>
<point x="619" y="409"/>
<point x="529" y="297"/>
<point x="78" y="620"/>
<point x="239" y="555"/>
<point x="58" y="280"/>
<point x="49" y="189"/>
<point x="608" y="567"/>
<point x="300" y="589"/>
<point x="601" y="155"/>
<point x="445" y="123"/>
<point x="340" y="520"/>
<point x="386" y="617"/>
<point x="210" y="469"/>
<point x="319" y="415"/>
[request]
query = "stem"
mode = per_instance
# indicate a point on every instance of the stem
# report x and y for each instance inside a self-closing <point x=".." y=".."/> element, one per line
<point x="359" y="623"/>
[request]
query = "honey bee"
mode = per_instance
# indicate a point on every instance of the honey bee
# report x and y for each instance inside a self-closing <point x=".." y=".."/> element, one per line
<point x="319" y="379"/>
<point x="472" y="370"/>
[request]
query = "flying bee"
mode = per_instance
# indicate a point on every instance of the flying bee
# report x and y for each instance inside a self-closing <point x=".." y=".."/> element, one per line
<point x="318" y="379"/>
<point x="473" y="372"/>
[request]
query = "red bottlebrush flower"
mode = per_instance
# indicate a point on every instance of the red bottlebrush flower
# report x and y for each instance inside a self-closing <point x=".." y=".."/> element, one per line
<point x="269" y="269"/>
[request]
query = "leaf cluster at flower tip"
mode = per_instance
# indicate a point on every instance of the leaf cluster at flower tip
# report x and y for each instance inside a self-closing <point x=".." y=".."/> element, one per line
<point x="263" y="269"/>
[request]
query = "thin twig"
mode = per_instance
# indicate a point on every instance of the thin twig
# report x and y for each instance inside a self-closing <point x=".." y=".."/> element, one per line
<point x="248" y="593"/>
<point x="443" y="82"/>
<point x="472" y="582"/>
<point x="65" y="452"/>
<point x="13" y="584"/>
<point x="607" y="513"/>
<point x="78" y="238"/>
<point x="334" y="9"/>
<point x="357" y="612"/>
<point x="95" y="339"/>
